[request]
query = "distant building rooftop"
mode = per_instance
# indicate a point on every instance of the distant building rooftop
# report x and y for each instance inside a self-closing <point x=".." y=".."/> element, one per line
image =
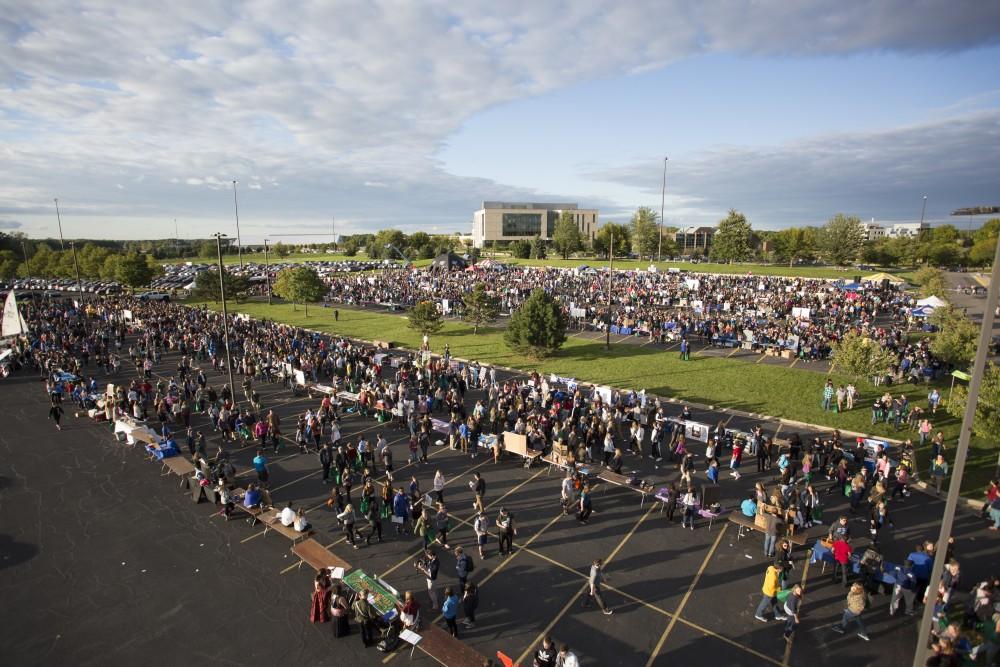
<point x="531" y="206"/>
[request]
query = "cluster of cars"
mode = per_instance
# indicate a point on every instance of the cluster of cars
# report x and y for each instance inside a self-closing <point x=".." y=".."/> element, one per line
<point x="182" y="276"/>
<point x="60" y="285"/>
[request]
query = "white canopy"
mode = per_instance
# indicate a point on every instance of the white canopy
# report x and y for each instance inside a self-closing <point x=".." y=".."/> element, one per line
<point x="932" y="301"/>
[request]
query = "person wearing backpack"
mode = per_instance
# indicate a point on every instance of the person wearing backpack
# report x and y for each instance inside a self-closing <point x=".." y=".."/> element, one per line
<point x="463" y="566"/>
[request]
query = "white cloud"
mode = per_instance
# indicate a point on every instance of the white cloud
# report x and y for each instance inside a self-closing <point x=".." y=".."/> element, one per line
<point x="873" y="174"/>
<point x="332" y="98"/>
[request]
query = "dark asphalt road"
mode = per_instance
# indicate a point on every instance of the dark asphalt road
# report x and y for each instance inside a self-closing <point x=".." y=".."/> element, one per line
<point x="105" y="561"/>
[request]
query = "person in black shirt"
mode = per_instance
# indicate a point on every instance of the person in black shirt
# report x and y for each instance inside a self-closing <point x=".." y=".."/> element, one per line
<point x="545" y="655"/>
<point x="55" y="414"/>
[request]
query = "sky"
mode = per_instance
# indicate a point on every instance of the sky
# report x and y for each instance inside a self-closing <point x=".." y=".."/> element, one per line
<point x="358" y="116"/>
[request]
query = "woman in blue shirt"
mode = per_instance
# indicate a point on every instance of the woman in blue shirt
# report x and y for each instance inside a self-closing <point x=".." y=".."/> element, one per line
<point x="450" y="610"/>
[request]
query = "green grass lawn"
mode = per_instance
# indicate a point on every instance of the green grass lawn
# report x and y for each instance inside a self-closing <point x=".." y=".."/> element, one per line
<point x="782" y="392"/>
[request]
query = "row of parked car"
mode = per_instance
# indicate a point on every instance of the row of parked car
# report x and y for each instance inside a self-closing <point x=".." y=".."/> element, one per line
<point x="182" y="276"/>
<point x="61" y="285"/>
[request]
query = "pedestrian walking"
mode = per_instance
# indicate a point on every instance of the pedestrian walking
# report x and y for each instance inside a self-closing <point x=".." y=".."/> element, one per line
<point x="854" y="606"/>
<point x="596" y="579"/>
<point x="470" y="602"/>
<point x="769" y="599"/>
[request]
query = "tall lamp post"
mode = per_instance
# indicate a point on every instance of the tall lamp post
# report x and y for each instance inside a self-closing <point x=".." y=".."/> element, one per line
<point x="663" y="199"/>
<point x="79" y="285"/>
<point x="59" y="220"/>
<point x="611" y="272"/>
<point x="239" y="242"/>
<point x="267" y="273"/>
<point x="225" y="316"/>
<point x="965" y="434"/>
<point x="27" y="269"/>
<point x="923" y="209"/>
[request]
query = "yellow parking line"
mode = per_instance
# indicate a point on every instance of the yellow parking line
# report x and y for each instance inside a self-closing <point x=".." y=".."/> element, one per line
<point x="687" y="595"/>
<point x="805" y="577"/>
<point x="586" y="585"/>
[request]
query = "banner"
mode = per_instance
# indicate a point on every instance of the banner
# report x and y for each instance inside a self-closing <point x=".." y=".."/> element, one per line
<point x="800" y="313"/>
<point x="696" y="431"/>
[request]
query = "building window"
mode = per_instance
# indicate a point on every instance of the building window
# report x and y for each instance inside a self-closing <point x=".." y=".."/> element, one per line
<point x="522" y="224"/>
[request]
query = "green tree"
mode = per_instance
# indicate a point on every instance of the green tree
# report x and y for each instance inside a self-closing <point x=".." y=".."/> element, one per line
<point x="538" y="328"/>
<point x="622" y="237"/>
<point x="939" y="253"/>
<point x="134" y="270"/>
<point x="8" y="264"/>
<point x="207" y="249"/>
<point x="944" y="234"/>
<point x="206" y="286"/>
<point x="645" y="237"/>
<point x="989" y="230"/>
<point x="841" y="239"/>
<point x="957" y="337"/>
<point x="794" y="243"/>
<point x="905" y="250"/>
<point x="281" y="249"/>
<point x="425" y="318"/>
<point x="481" y="307"/>
<point x="566" y="236"/>
<point x="733" y="240"/>
<point x="300" y="284"/>
<point x="521" y="249"/>
<point x="350" y="247"/>
<point x="538" y="249"/>
<point x="861" y="357"/>
<point x="387" y="237"/>
<point x="931" y="282"/>
<point x="987" y="420"/>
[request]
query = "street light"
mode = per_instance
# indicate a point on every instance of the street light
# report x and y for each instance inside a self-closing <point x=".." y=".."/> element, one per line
<point x="923" y="209"/>
<point x="611" y="272"/>
<point x="59" y="220"/>
<point x="663" y="197"/>
<point x="239" y="243"/>
<point x="79" y="286"/>
<point x="225" y="316"/>
<point x="267" y="273"/>
<point x="406" y="259"/>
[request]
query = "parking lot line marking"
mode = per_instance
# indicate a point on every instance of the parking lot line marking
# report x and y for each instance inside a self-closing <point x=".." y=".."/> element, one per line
<point x="254" y="536"/>
<point x="805" y="578"/>
<point x="647" y="342"/>
<point x="460" y="522"/>
<point x="792" y="365"/>
<point x="687" y="595"/>
<point x="586" y="585"/>
<point x="735" y="350"/>
<point x="762" y="357"/>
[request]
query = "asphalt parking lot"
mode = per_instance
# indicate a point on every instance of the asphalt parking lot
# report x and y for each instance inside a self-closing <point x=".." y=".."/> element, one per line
<point x="105" y="560"/>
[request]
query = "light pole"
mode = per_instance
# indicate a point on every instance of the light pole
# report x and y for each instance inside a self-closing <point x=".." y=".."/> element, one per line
<point x="239" y="242"/>
<point x="389" y="246"/>
<point x="663" y="198"/>
<point x="79" y="286"/>
<point x="59" y="220"/>
<point x="972" y="400"/>
<point x="923" y="209"/>
<point x="225" y="317"/>
<point x="177" y="239"/>
<point x="611" y="272"/>
<point x="267" y="273"/>
<point x="27" y="269"/>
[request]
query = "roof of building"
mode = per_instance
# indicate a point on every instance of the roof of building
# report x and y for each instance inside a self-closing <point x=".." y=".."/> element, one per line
<point x="697" y="230"/>
<point x="534" y="206"/>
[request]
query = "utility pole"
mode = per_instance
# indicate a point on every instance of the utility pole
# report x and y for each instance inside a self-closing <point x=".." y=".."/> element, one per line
<point x="958" y="469"/>
<point x="333" y="229"/>
<point x="611" y="272"/>
<point x="267" y="273"/>
<point x="239" y="242"/>
<point x="79" y="286"/>
<point x="59" y="220"/>
<point x="27" y="269"/>
<point x="225" y="316"/>
<point x="923" y="209"/>
<point x="663" y="198"/>
<point x="177" y="239"/>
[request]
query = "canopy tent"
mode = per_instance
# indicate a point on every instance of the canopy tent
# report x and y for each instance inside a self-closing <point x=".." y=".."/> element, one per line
<point x="490" y="264"/>
<point x="880" y="276"/>
<point x="932" y="302"/>
<point x="922" y="311"/>
<point x="851" y="287"/>
<point x="448" y="261"/>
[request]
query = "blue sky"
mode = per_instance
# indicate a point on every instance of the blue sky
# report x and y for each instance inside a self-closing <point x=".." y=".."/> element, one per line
<point x="409" y="115"/>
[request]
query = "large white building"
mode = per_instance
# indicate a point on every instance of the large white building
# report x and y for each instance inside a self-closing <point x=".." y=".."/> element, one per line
<point x="513" y="221"/>
<point x="874" y="231"/>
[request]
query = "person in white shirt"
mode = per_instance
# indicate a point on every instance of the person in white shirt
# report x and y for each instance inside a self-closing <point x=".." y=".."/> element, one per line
<point x="287" y="515"/>
<point x="301" y="524"/>
<point x="568" y="493"/>
<point x="567" y="658"/>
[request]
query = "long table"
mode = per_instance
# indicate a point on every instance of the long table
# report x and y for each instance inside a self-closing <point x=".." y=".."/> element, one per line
<point x="383" y="599"/>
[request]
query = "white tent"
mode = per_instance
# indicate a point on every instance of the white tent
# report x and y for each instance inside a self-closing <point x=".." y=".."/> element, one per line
<point x="932" y="301"/>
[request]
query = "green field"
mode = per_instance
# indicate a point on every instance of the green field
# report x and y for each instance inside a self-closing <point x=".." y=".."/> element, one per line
<point x="762" y="388"/>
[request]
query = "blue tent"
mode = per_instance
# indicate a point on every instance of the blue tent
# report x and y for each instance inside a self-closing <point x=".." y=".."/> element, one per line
<point x="851" y="287"/>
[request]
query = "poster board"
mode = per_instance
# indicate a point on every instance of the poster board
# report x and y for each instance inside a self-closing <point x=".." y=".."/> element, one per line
<point x="300" y="378"/>
<point x="516" y="443"/>
<point x="696" y="431"/>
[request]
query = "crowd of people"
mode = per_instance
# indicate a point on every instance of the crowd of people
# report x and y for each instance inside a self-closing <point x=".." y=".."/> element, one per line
<point x="427" y="397"/>
<point x="804" y="315"/>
